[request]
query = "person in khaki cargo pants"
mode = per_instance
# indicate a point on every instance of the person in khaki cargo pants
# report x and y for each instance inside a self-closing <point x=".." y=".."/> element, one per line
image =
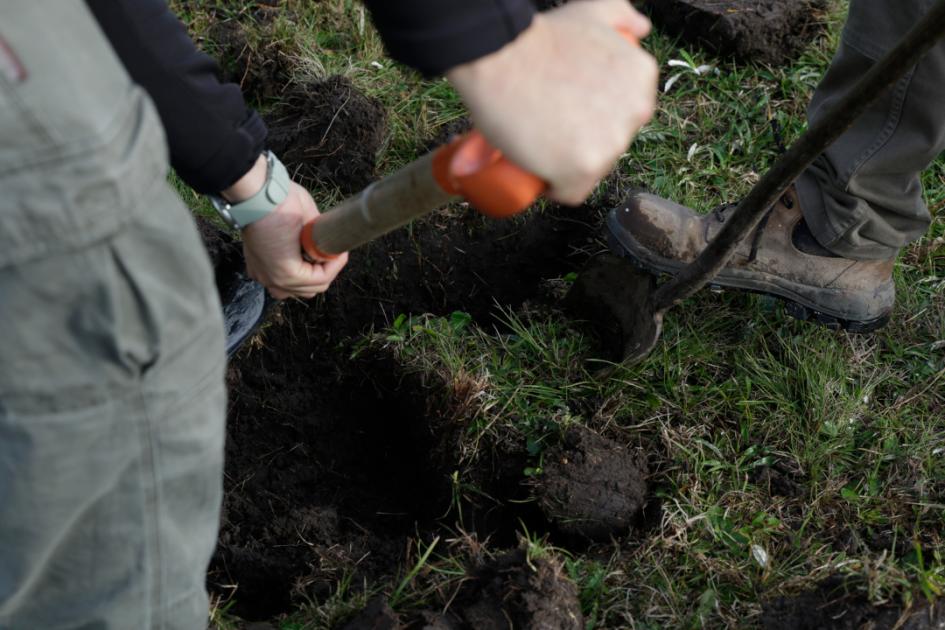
<point x="111" y="359"/>
<point x="829" y="246"/>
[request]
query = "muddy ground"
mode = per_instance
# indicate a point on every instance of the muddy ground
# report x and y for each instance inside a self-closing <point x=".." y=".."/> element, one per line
<point x="336" y="461"/>
<point x="333" y="463"/>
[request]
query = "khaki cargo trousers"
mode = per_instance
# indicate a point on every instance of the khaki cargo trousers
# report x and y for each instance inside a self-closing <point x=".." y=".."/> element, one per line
<point x="863" y="198"/>
<point x="111" y="345"/>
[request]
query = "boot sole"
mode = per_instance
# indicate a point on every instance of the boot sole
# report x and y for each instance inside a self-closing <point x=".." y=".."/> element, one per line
<point x="794" y="305"/>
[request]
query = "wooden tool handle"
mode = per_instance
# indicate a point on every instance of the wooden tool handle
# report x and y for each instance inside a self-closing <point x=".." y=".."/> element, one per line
<point x="468" y="167"/>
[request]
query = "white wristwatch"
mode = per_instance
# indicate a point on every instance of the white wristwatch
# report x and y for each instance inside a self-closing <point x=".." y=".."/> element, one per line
<point x="273" y="192"/>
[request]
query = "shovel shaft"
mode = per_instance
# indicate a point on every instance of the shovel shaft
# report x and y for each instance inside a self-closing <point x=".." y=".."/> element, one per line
<point x="802" y="153"/>
<point x="381" y="207"/>
<point x="468" y="167"/>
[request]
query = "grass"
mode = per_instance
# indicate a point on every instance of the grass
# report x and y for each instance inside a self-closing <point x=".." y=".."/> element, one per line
<point x="734" y="389"/>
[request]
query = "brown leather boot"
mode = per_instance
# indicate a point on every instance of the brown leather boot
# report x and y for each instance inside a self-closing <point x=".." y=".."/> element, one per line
<point x="780" y="258"/>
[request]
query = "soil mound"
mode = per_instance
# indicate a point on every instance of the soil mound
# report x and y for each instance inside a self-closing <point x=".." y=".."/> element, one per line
<point x="770" y="31"/>
<point x="513" y="592"/>
<point x="591" y="486"/>
<point x="833" y="607"/>
<point x="328" y="133"/>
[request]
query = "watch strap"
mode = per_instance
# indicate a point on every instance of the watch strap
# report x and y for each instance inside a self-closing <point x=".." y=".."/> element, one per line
<point x="273" y="192"/>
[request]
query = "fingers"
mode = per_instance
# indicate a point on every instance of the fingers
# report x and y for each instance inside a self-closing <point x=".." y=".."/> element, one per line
<point x="274" y="256"/>
<point x="301" y="280"/>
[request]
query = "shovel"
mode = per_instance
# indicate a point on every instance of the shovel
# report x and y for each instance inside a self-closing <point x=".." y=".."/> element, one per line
<point x="467" y="168"/>
<point x="631" y="299"/>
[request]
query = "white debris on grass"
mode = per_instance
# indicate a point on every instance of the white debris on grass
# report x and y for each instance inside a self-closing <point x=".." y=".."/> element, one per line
<point x="690" y="68"/>
<point x="760" y="556"/>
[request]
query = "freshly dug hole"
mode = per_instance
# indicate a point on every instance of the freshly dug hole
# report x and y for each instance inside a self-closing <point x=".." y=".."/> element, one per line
<point x="330" y="466"/>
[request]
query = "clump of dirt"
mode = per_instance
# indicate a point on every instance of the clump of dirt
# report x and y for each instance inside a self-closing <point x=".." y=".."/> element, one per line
<point x="507" y="592"/>
<point x="328" y="133"/>
<point x="592" y="487"/>
<point x="780" y="479"/>
<point x="835" y="606"/>
<point x="513" y="591"/>
<point x="262" y="68"/>
<point x="770" y="31"/>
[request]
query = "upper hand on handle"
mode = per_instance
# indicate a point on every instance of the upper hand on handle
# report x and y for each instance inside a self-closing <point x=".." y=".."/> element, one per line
<point x="564" y="100"/>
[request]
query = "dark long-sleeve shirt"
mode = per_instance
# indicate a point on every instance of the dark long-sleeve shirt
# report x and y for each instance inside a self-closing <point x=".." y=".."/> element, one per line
<point x="436" y="35"/>
<point x="213" y="136"/>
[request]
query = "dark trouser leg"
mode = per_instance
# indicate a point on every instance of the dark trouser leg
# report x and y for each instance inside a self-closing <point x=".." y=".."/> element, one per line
<point x="863" y="198"/>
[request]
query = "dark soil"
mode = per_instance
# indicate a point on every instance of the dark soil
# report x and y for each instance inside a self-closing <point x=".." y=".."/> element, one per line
<point x="781" y="479"/>
<point x="833" y="607"/>
<point x="592" y="487"/>
<point x="377" y="615"/>
<point x="509" y="592"/>
<point x="226" y="253"/>
<point x="608" y="296"/>
<point x="332" y="463"/>
<point x="767" y="31"/>
<point x="329" y="468"/>
<point x="328" y="133"/>
<point x="456" y="261"/>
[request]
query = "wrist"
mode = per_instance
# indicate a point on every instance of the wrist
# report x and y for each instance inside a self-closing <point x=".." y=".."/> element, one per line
<point x="249" y="184"/>
<point x="250" y="199"/>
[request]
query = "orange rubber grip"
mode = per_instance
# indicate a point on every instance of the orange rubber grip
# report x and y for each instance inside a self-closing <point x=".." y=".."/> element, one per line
<point x="471" y="167"/>
<point x="309" y="246"/>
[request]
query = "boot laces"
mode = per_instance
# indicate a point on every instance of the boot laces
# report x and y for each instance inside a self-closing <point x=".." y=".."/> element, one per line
<point x="720" y="213"/>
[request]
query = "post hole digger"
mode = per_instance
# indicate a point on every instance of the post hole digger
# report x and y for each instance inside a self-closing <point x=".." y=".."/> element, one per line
<point x="470" y="168"/>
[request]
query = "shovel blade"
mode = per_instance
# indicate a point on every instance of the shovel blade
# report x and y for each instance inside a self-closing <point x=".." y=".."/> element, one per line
<point x="245" y="305"/>
<point x="614" y="296"/>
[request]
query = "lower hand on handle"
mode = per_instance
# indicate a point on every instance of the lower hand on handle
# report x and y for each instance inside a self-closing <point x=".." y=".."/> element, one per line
<point x="273" y="256"/>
